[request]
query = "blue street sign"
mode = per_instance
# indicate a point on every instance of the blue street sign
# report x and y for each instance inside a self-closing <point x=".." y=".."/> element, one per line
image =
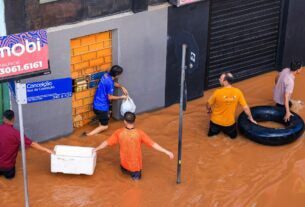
<point x="48" y="90"/>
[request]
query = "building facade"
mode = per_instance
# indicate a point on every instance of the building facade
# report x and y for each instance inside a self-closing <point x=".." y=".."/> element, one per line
<point x="87" y="37"/>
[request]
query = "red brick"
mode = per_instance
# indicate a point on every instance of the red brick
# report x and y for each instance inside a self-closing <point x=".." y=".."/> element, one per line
<point x="103" y="36"/>
<point x="83" y="109"/>
<point x="86" y="40"/>
<point x="80" y="50"/>
<point x="76" y="59"/>
<point x="82" y="95"/>
<point x="88" y="101"/>
<point x="96" y="46"/>
<point x="96" y="62"/>
<point x="89" y="71"/>
<point x="104" y="52"/>
<point x="77" y="103"/>
<point x="75" y="75"/>
<point x="107" y="43"/>
<point x="75" y="43"/>
<point x="89" y="56"/>
<point x="105" y="67"/>
<point x="92" y="91"/>
<point x="81" y="65"/>
<point x="108" y="59"/>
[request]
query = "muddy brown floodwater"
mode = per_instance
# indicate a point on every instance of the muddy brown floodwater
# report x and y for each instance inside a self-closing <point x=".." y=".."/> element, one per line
<point x="216" y="172"/>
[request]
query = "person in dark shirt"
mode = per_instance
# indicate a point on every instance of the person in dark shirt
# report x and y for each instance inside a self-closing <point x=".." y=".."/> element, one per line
<point x="103" y="96"/>
<point x="10" y="143"/>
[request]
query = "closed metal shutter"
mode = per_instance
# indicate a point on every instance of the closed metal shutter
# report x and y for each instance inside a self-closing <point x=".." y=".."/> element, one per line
<point x="243" y="38"/>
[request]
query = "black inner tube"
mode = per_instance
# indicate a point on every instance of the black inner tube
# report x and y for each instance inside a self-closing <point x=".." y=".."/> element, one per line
<point x="271" y="136"/>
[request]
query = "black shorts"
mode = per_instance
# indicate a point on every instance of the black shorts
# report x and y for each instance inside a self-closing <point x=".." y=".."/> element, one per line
<point x="8" y="174"/>
<point x="134" y="175"/>
<point x="214" y="129"/>
<point x="102" y="116"/>
<point x="280" y="105"/>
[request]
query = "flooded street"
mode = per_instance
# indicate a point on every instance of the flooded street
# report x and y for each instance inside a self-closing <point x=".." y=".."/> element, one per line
<point x="216" y="172"/>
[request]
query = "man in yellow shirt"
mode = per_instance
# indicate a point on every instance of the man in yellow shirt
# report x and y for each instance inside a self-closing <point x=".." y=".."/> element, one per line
<point x="222" y="106"/>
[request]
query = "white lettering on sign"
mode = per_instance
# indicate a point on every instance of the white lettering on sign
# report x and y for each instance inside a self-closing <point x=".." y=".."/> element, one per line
<point x="193" y="57"/>
<point x="19" y="49"/>
<point x="19" y="68"/>
<point x="39" y="85"/>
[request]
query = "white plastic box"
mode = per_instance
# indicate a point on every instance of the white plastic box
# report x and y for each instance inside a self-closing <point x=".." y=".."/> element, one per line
<point x="73" y="160"/>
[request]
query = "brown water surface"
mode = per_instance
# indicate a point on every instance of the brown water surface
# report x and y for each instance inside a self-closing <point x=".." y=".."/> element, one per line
<point x="216" y="172"/>
<point x="271" y="124"/>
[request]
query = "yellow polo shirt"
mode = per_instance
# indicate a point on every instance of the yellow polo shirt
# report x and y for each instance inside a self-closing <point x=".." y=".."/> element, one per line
<point x="224" y="102"/>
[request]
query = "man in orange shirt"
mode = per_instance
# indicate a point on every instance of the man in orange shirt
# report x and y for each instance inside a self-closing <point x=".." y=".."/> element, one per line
<point x="222" y="106"/>
<point x="130" y="140"/>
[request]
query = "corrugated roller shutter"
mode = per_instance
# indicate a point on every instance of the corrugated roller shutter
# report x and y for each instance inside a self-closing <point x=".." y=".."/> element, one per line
<point x="243" y="38"/>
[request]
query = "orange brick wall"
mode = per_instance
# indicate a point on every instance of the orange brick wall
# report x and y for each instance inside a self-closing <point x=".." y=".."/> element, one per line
<point x="89" y="54"/>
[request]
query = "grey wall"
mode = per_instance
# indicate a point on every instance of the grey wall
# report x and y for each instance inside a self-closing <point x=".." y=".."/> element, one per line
<point x="49" y="119"/>
<point x="294" y="45"/>
<point x="139" y="46"/>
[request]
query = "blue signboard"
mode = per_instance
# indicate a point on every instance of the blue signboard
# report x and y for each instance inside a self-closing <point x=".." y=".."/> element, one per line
<point x="48" y="90"/>
<point x="94" y="79"/>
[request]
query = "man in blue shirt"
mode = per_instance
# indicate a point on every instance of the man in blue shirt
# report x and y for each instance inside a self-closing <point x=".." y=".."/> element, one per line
<point x="103" y="96"/>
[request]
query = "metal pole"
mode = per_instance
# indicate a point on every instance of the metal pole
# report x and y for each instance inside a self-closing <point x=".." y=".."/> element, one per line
<point x="182" y="83"/>
<point x="25" y="177"/>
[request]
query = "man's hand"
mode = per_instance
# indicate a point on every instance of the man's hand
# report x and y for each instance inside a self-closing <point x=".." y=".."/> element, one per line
<point x="287" y="116"/>
<point x="170" y="154"/>
<point x="124" y="97"/>
<point x="124" y="90"/>
<point x="50" y="151"/>
<point x="208" y="108"/>
<point x="252" y="120"/>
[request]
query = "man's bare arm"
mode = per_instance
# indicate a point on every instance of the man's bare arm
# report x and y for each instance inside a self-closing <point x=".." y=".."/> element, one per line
<point x="249" y="114"/>
<point x="37" y="146"/>
<point x="165" y="151"/>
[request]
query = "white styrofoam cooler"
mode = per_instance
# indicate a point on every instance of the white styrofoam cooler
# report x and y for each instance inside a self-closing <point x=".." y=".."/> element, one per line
<point x="73" y="160"/>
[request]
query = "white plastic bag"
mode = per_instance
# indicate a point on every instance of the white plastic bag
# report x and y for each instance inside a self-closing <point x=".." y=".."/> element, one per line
<point x="127" y="105"/>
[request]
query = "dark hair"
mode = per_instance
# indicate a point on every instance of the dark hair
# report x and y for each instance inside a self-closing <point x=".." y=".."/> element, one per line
<point x="295" y="65"/>
<point x="228" y="77"/>
<point x="129" y="117"/>
<point x="116" y="70"/>
<point x="9" y="115"/>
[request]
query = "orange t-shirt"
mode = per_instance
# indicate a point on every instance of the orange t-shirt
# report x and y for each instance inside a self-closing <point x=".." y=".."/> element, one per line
<point x="224" y="102"/>
<point x="130" y="141"/>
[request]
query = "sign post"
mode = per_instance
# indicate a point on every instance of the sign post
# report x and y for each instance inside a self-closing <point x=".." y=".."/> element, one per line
<point x="182" y="105"/>
<point x="19" y="98"/>
<point x="22" y="56"/>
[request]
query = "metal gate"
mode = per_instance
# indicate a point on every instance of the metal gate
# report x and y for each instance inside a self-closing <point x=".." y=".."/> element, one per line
<point x="243" y="38"/>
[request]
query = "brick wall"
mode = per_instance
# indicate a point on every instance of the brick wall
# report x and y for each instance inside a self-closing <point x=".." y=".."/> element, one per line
<point x="89" y="54"/>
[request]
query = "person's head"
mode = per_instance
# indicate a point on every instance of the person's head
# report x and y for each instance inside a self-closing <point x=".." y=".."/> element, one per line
<point x="129" y="118"/>
<point x="115" y="71"/>
<point x="296" y="66"/>
<point x="8" y="116"/>
<point x="226" y="79"/>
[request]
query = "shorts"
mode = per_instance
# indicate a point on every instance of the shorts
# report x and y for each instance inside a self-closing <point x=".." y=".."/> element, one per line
<point x="8" y="174"/>
<point x="102" y="116"/>
<point x="215" y="129"/>
<point x="134" y="175"/>
<point x="280" y="105"/>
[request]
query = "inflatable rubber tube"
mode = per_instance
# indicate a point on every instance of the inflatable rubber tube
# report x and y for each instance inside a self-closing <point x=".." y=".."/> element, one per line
<point x="271" y="136"/>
